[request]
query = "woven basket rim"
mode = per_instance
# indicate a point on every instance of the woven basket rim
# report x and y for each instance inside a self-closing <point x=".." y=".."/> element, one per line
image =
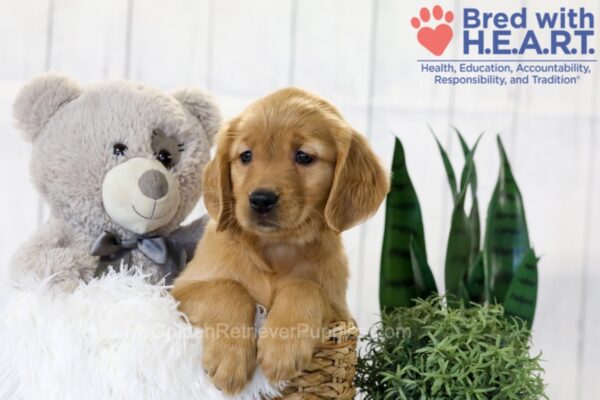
<point x="334" y="376"/>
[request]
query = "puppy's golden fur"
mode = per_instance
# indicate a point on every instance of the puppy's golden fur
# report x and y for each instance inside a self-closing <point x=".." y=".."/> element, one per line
<point x="290" y="260"/>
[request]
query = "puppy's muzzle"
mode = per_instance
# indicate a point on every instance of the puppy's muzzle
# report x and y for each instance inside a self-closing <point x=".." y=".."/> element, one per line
<point x="263" y="201"/>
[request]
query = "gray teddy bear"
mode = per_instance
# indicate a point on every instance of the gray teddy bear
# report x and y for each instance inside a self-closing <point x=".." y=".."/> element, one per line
<point x="119" y="165"/>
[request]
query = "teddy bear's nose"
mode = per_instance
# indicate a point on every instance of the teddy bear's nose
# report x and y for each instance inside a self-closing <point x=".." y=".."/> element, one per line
<point x="153" y="184"/>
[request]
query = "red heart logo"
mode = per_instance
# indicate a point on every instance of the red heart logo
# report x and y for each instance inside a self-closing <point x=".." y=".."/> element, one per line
<point x="435" y="40"/>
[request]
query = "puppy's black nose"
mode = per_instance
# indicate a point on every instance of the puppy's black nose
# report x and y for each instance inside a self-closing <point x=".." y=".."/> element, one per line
<point x="263" y="201"/>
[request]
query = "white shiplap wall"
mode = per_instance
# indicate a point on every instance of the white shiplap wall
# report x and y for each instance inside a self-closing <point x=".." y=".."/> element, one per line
<point x="361" y="55"/>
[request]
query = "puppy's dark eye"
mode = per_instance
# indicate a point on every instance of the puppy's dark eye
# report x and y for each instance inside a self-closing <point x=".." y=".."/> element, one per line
<point x="165" y="158"/>
<point x="303" y="158"/>
<point x="119" y="149"/>
<point x="246" y="157"/>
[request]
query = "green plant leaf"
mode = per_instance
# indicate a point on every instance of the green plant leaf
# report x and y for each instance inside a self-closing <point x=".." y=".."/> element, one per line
<point x="521" y="296"/>
<point x="447" y="166"/>
<point x="402" y="221"/>
<point x="474" y="216"/>
<point x="458" y="251"/>
<point x="463" y="295"/>
<point x="506" y="239"/>
<point x="476" y="281"/>
<point x="424" y="281"/>
<point x="465" y="149"/>
<point x="466" y="177"/>
<point x="475" y="223"/>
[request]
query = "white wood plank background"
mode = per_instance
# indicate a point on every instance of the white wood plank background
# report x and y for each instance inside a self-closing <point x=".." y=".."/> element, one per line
<point x="361" y="55"/>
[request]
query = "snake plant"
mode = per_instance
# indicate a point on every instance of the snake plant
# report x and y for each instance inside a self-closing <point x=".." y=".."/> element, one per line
<point x="503" y="270"/>
<point x="404" y="255"/>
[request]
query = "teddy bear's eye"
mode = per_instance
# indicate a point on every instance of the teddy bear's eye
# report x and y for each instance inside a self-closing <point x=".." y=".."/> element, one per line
<point x="119" y="149"/>
<point x="165" y="158"/>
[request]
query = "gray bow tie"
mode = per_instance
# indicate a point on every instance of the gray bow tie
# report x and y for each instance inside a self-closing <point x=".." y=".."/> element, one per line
<point x="115" y="252"/>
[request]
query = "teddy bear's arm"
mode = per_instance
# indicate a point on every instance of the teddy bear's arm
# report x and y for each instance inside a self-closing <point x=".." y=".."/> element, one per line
<point x="50" y="254"/>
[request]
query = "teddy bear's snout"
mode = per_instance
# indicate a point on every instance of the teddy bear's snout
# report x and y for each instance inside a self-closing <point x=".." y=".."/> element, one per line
<point x="140" y="195"/>
<point x="154" y="184"/>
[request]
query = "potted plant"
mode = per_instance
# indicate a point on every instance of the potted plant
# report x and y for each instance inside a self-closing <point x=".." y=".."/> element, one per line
<point x="431" y="351"/>
<point x="473" y="342"/>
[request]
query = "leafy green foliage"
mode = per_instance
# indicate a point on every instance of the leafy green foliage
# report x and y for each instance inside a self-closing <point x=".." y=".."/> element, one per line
<point x="506" y="239"/>
<point x="474" y="219"/>
<point x="476" y="281"/>
<point x="472" y="273"/>
<point x="447" y="166"/>
<point x="430" y="351"/>
<point x="462" y="346"/>
<point x="403" y="224"/>
<point x="459" y="249"/>
<point x="521" y="295"/>
<point x="424" y="281"/>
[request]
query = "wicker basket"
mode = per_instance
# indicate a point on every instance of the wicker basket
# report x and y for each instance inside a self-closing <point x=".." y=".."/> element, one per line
<point x="331" y="373"/>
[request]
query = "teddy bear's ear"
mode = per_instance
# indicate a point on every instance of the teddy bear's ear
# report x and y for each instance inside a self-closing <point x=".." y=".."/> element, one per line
<point x="40" y="99"/>
<point x="201" y="105"/>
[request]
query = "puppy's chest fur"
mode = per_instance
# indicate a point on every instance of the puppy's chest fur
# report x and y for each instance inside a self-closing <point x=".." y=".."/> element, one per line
<point x="314" y="262"/>
<point x="279" y="264"/>
<point x="286" y="258"/>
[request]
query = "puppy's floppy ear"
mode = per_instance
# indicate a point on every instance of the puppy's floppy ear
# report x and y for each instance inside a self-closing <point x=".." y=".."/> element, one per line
<point x="359" y="183"/>
<point x="38" y="100"/>
<point x="216" y="184"/>
<point x="202" y="106"/>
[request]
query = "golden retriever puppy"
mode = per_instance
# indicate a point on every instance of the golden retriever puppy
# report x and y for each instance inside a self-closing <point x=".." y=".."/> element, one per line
<point x="288" y="177"/>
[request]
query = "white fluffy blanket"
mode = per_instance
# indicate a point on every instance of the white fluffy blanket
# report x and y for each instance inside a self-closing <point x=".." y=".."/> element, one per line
<point x="114" y="338"/>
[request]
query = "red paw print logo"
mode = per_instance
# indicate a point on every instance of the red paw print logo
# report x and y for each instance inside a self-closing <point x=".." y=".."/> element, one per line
<point x="434" y="39"/>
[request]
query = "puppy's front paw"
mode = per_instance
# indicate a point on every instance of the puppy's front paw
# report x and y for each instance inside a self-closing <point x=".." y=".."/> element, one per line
<point x="229" y="363"/>
<point x="284" y="352"/>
